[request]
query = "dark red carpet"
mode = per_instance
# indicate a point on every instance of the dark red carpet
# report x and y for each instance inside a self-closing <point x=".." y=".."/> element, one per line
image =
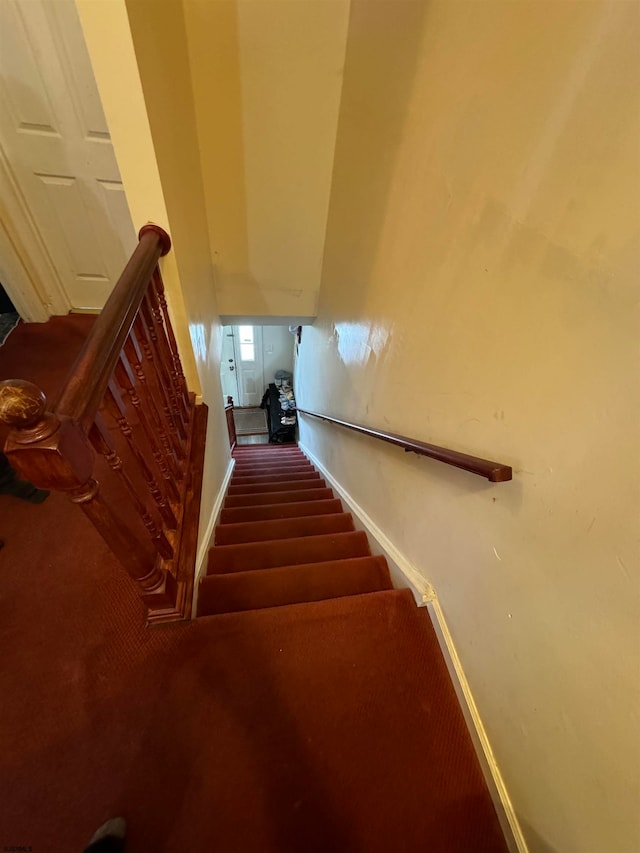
<point x="322" y="726"/>
<point x="44" y="352"/>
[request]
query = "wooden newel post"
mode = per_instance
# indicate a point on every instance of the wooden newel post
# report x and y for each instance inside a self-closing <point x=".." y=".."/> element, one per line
<point x="52" y="452"/>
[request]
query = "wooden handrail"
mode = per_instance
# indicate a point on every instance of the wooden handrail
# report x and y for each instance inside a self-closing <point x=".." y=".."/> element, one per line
<point x="125" y="440"/>
<point x="90" y="374"/>
<point x="231" y="424"/>
<point x="495" y="472"/>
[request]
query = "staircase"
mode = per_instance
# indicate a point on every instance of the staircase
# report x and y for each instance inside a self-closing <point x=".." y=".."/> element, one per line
<point x="357" y="701"/>
<point x="281" y="517"/>
<point x="308" y="708"/>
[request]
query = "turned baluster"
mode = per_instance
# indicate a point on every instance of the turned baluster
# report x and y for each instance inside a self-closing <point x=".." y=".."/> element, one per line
<point x="166" y="432"/>
<point x="157" y="380"/>
<point x="101" y="440"/>
<point x="53" y="453"/>
<point x="165" y="462"/>
<point x="115" y="406"/>
<point x="157" y="288"/>
<point x="158" y="347"/>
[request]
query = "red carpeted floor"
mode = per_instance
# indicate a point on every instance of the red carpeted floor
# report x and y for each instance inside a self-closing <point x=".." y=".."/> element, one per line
<point x="44" y="352"/>
<point x="326" y="725"/>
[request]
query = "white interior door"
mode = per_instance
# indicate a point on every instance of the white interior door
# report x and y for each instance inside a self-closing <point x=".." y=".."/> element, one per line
<point x="228" y="373"/>
<point x="56" y="143"/>
<point x="248" y="346"/>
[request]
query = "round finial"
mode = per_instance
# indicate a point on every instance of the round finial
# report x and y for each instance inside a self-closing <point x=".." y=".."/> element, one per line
<point x="22" y="404"/>
<point x="165" y="240"/>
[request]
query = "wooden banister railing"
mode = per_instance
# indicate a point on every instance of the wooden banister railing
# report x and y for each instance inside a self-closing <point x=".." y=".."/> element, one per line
<point x="495" y="472"/>
<point x="231" y="424"/>
<point x="124" y="439"/>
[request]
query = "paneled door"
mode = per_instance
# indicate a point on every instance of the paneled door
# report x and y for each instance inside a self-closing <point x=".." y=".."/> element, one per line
<point x="248" y="347"/>
<point x="57" y="149"/>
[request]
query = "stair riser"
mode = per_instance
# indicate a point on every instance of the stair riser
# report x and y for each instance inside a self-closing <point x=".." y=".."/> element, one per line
<point x="270" y="498"/>
<point x="247" y="470"/>
<point x="279" y="528"/>
<point x="268" y="448"/>
<point x="273" y="456"/>
<point x="268" y="454"/>
<point x="288" y="486"/>
<point x="254" y="470"/>
<point x="274" y="478"/>
<point x="287" y="552"/>
<point x="292" y="585"/>
<point x="284" y="510"/>
<point x="266" y="459"/>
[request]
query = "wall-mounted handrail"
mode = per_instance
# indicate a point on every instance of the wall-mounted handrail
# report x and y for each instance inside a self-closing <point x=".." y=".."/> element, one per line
<point x="495" y="472"/>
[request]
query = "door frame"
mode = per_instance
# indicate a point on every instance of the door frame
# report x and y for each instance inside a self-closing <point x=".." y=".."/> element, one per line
<point x="236" y="396"/>
<point x="257" y="341"/>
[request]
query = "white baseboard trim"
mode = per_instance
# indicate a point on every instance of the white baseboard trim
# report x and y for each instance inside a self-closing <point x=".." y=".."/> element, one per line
<point x="499" y="794"/>
<point x="403" y="574"/>
<point x="205" y="542"/>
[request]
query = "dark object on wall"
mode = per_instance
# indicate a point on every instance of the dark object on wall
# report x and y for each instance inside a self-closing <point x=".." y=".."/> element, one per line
<point x="297" y="331"/>
<point x="278" y="433"/>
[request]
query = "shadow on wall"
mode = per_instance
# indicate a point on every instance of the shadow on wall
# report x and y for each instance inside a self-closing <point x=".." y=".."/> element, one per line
<point x="535" y="842"/>
<point x="381" y="59"/>
<point x="383" y="46"/>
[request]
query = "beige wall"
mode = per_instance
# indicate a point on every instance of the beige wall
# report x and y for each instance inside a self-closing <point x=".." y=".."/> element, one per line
<point x="267" y="77"/>
<point x="107" y="34"/>
<point x="148" y="104"/>
<point x="479" y="286"/>
<point x="277" y="348"/>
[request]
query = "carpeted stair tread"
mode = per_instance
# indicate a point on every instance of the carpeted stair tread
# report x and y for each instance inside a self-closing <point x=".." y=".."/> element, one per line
<point x="282" y="528"/>
<point x="268" y="453"/>
<point x="285" y="552"/>
<point x="258" y="470"/>
<point x="270" y="463"/>
<point x="251" y="471"/>
<point x="263" y="468"/>
<point x="265" y="459"/>
<point x="262" y="455"/>
<point x="292" y="584"/>
<point x="286" y="476"/>
<point x="279" y="486"/>
<point x="266" y="448"/>
<point x="270" y="498"/>
<point x="272" y="467"/>
<point x="342" y="715"/>
<point x="295" y="509"/>
<point x="273" y="462"/>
